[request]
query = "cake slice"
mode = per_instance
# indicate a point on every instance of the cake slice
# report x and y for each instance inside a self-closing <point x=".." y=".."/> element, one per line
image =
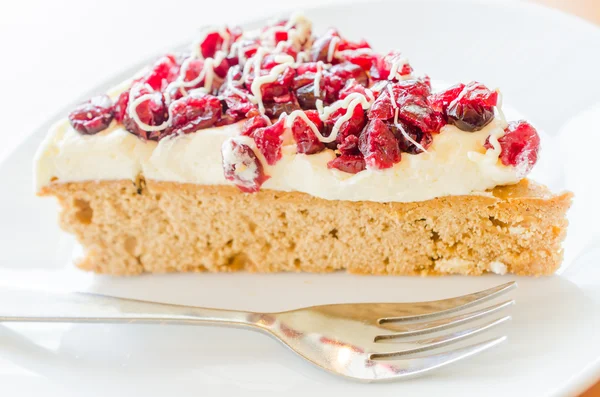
<point x="275" y="150"/>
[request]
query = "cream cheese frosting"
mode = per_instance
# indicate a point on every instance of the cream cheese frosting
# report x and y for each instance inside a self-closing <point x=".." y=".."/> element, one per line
<point x="455" y="164"/>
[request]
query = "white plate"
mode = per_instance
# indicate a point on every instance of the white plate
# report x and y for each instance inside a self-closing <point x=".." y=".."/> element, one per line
<point x="547" y="64"/>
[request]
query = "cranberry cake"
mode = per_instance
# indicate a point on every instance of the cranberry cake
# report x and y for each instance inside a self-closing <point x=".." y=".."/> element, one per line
<point x="279" y="150"/>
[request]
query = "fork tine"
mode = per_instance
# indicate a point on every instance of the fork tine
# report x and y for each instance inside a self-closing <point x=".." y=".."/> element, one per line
<point x="447" y="306"/>
<point x="421" y="365"/>
<point x="444" y="323"/>
<point x="434" y="343"/>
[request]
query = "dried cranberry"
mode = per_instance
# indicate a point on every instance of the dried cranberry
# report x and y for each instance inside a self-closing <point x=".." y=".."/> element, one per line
<point x="279" y="87"/>
<point x="520" y="145"/>
<point x="469" y="117"/>
<point x="92" y="116"/>
<point x="379" y="145"/>
<point x="222" y="68"/>
<point x="439" y="101"/>
<point x="236" y="106"/>
<point x="306" y="140"/>
<point x="280" y="36"/>
<point x="349" y="163"/>
<point x="382" y="66"/>
<point x="253" y="124"/>
<point x="164" y="71"/>
<point x="152" y="111"/>
<point x="269" y="141"/>
<point x="332" y="85"/>
<point x="416" y="111"/>
<point x="273" y="109"/>
<point x="415" y="87"/>
<point x="194" y="113"/>
<point x="422" y="138"/>
<point x="379" y="87"/>
<point x="321" y="46"/>
<point x="345" y="45"/>
<point x="307" y="67"/>
<point x="382" y="108"/>
<point x="347" y="70"/>
<point x="352" y="126"/>
<point x="473" y="108"/>
<point x="242" y="167"/>
<point x="121" y="106"/>
<point x="211" y="44"/>
<point x="352" y="86"/>
<point x="306" y="95"/>
<point x="362" y="59"/>
<point x="349" y="145"/>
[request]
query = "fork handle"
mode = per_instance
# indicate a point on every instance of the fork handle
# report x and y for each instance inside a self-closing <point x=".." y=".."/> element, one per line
<point x="78" y="307"/>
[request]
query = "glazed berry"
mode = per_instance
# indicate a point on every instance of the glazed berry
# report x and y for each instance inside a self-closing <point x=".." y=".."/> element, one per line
<point x="349" y="163"/>
<point x="384" y="65"/>
<point x="424" y="139"/>
<point x="164" y="71"/>
<point x="194" y="112"/>
<point x="152" y="112"/>
<point x="306" y="140"/>
<point x="379" y="145"/>
<point x="519" y="146"/>
<point x="268" y="139"/>
<point x="473" y="108"/>
<point x="92" y="116"/>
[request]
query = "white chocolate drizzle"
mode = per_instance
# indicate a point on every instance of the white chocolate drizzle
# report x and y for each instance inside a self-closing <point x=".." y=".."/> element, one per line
<point x="332" y="48"/>
<point x="398" y="63"/>
<point x="397" y="124"/>
<point x="349" y="103"/>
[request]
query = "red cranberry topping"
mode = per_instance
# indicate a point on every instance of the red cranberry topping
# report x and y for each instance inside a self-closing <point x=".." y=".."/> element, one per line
<point x="268" y="139"/>
<point x="279" y="87"/>
<point x="382" y="66"/>
<point x="320" y="48"/>
<point x="353" y="126"/>
<point x="348" y="144"/>
<point x="520" y="145"/>
<point x="164" y="71"/>
<point x="349" y="70"/>
<point x="213" y="42"/>
<point x="346" y="45"/>
<point x="422" y="138"/>
<point x="473" y="108"/>
<point x="306" y="140"/>
<point x="284" y="104"/>
<point x="306" y="95"/>
<point x="92" y="116"/>
<point x="406" y="93"/>
<point x="379" y="145"/>
<point x="121" y="106"/>
<point x="349" y="163"/>
<point x="194" y="112"/>
<point x="440" y="100"/>
<point x="253" y="124"/>
<point x="153" y="111"/>
<point x="242" y="167"/>
<point x="415" y="111"/>
<point x="351" y="87"/>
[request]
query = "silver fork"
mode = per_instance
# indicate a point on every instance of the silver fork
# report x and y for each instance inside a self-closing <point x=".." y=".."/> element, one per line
<point x="351" y="340"/>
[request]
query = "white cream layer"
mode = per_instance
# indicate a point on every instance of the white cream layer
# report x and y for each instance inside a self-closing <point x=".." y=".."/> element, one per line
<point x="450" y="167"/>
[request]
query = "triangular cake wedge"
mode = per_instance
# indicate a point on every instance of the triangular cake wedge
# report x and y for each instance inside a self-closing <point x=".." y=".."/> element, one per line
<point x="275" y="150"/>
